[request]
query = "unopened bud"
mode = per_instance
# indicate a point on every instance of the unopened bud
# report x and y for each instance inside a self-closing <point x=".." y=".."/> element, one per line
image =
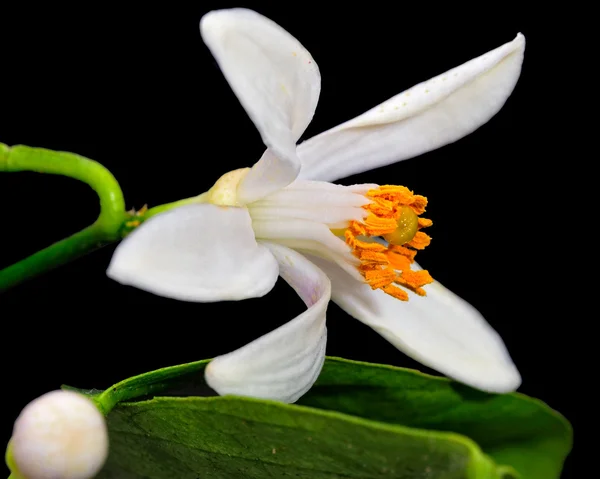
<point x="60" y="435"/>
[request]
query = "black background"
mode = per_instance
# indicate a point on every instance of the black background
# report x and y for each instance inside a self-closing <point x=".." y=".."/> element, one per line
<point x="137" y="90"/>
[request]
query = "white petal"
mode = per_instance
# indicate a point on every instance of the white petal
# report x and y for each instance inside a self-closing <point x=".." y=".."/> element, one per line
<point x="308" y="237"/>
<point x="285" y="363"/>
<point x="333" y="205"/>
<point x="423" y="118"/>
<point x="277" y="82"/>
<point x="317" y="194"/>
<point x="332" y="216"/>
<point x="440" y="330"/>
<point x="199" y="253"/>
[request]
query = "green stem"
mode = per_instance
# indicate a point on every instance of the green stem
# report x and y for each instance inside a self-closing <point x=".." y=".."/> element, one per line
<point x="10" y="462"/>
<point x="112" y="204"/>
<point x="168" y="206"/>
<point x="59" y="253"/>
<point x="107" y="228"/>
<point x="112" y="224"/>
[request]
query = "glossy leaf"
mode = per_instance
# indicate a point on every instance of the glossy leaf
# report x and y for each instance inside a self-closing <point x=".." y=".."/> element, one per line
<point x="360" y="421"/>
<point x="513" y="429"/>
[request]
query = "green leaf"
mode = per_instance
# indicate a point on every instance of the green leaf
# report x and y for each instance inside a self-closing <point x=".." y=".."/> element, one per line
<point x="359" y="421"/>
<point x="512" y="428"/>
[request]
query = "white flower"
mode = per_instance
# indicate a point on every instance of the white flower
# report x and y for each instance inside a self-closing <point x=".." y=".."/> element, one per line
<point x="62" y="435"/>
<point x="282" y="217"/>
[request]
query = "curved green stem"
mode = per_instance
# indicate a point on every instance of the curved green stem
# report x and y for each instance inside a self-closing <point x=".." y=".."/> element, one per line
<point x="107" y="228"/>
<point x="112" y="204"/>
<point x="113" y="223"/>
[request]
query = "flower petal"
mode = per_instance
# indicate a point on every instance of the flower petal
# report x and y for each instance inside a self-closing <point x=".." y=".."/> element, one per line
<point x="199" y="252"/>
<point x="318" y="201"/>
<point x="277" y="82"/>
<point x="285" y="363"/>
<point x="425" y="117"/>
<point x="439" y="330"/>
<point x="307" y="237"/>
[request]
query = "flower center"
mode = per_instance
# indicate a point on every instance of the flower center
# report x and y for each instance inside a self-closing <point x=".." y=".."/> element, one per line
<point x="224" y="191"/>
<point x="394" y="214"/>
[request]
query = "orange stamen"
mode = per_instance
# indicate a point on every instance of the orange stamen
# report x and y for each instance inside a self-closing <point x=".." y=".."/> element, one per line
<point x="420" y="241"/>
<point x="389" y="268"/>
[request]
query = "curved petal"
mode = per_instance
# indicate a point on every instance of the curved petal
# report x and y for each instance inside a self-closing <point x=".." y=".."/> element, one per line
<point x="439" y="330"/>
<point x="285" y="363"/>
<point x="276" y="81"/>
<point x="199" y="252"/>
<point x="425" y="117"/>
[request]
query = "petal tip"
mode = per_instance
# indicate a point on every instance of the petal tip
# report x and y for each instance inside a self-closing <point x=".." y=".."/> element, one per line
<point x="217" y="21"/>
<point x="519" y="42"/>
<point x="114" y="270"/>
<point x="495" y="377"/>
<point x="210" y="20"/>
<point x="513" y="381"/>
<point x="501" y="377"/>
<point x="507" y="385"/>
<point x="219" y="377"/>
<point x="209" y="374"/>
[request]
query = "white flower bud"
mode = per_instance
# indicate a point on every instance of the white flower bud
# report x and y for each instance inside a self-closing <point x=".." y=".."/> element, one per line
<point x="60" y="435"/>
